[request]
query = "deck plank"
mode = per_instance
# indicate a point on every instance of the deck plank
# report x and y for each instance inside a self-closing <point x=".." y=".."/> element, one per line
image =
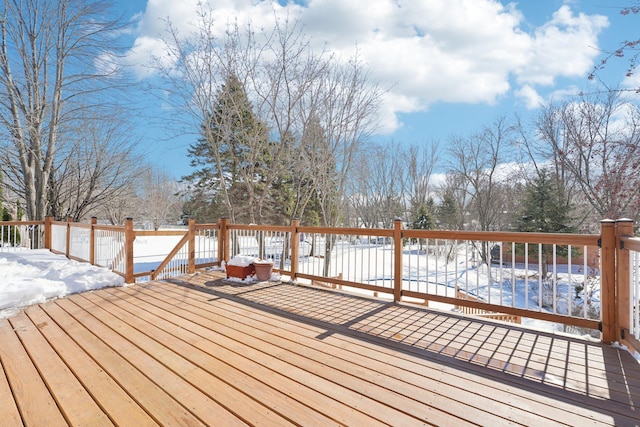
<point x="248" y="401"/>
<point x="337" y="392"/>
<point x="76" y="404"/>
<point x="9" y="414"/>
<point x="108" y="394"/>
<point x="37" y="406"/>
<point x="464" y="398"/>
<point x="623" y="407"/>
<point x="399" y="379"/>
<point x="155" y="361"/>
<point x="153" y="398"/>
<point x="376" y="384"/>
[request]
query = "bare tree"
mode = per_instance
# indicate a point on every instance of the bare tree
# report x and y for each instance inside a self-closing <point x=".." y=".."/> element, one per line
<point x="159" y="197"/>
<point x="629" y="49"/>
<point x="476" y="161"/>
<point x="54" y="60"/>
<point x="96" y="165"/>
<point x="126" y="204"/>
<point x="420" y="164"/>
<point x="269" y="73"/>
<point x="539" y="157"/>
<point x="597" y="141"/>
<point x="376" y="187"/>
<point x="317" y="109"/>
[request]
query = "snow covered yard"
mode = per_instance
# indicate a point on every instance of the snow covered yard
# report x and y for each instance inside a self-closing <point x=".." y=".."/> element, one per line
<point x="30" y="277"/>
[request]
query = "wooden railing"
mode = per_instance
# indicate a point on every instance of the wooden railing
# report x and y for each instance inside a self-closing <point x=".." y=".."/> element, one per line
<point x="584" y="281"/>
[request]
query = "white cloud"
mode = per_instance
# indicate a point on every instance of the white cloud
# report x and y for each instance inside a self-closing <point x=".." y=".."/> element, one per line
<point x="530" y="96"/>
<point x="565" y="46"/>
<point x="440" y="50"/>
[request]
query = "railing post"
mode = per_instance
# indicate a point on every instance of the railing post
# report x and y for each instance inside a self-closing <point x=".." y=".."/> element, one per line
<point x="295" y="248"/>
<point x="191" y="265"/>
<point x="47" y="232"/>
<point x="129" y="237"/>
<point x="92" y="241"/>
<point x="68" y="248"/>
<point x="397" y="260"/>
<point x="608" y="277"/>
<point x="223" y="241"/>
<point x="624" y="228"/>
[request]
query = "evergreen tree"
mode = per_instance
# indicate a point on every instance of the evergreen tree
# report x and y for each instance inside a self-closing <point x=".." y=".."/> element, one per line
<point x="233" y="155"/>
<point x="544" y="208"/>
<point x="424" y="217"/>
<point x="544" y="211"/>
<point x="447" y="214"/>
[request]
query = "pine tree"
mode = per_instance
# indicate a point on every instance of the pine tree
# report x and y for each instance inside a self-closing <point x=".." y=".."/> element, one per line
<point x="447" y="214"/>
<point x="424" y="218"/>
<point x="544" y="211"/>
<point x="233" y="155"/>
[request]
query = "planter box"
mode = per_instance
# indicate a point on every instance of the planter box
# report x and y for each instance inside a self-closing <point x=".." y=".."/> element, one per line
<point x="240" y="272"/>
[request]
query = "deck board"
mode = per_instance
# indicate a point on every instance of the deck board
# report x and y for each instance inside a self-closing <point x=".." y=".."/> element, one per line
<point x="108" y="394"/>
<point x="458" y="398"/>
<point x="35" y="403"/>
<point x="9" y="414"/>
<point x="76" y="403"/>
<point x="203" y="351"/>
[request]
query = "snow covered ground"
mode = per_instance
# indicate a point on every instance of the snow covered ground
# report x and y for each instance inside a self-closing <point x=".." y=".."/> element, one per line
<point x="30" y="277"/>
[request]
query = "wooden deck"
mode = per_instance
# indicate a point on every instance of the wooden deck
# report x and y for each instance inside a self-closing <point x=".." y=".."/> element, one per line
<point x="204" y="351"/>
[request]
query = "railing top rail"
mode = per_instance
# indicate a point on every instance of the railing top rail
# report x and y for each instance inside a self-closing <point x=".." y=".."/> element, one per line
<point x="504" y="236"/>
<point x="21" y="223"/>
<point x="160" y="232"/>
<point x="206" y="226"/>
<point x="630" y="242"/>
<point x="348" y="231"/>
<point x="78" y="225"/>
<point x="109" y="227"/>
<point x="255" y="227"/>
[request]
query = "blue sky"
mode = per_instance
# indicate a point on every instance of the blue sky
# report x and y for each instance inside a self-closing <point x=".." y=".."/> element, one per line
<point x="453" y="65"/>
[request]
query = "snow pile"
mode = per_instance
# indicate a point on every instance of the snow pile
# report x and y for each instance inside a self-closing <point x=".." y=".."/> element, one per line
<point x="32" y="277"/>
<point x="242" y="261"/>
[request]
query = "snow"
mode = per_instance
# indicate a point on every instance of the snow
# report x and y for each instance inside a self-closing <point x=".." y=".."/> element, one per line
<point x="30" y="277"/>
<point x="242" y="261"/>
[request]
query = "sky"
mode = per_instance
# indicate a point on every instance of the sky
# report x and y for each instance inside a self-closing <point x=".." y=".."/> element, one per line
<point x="450" y="66"/>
